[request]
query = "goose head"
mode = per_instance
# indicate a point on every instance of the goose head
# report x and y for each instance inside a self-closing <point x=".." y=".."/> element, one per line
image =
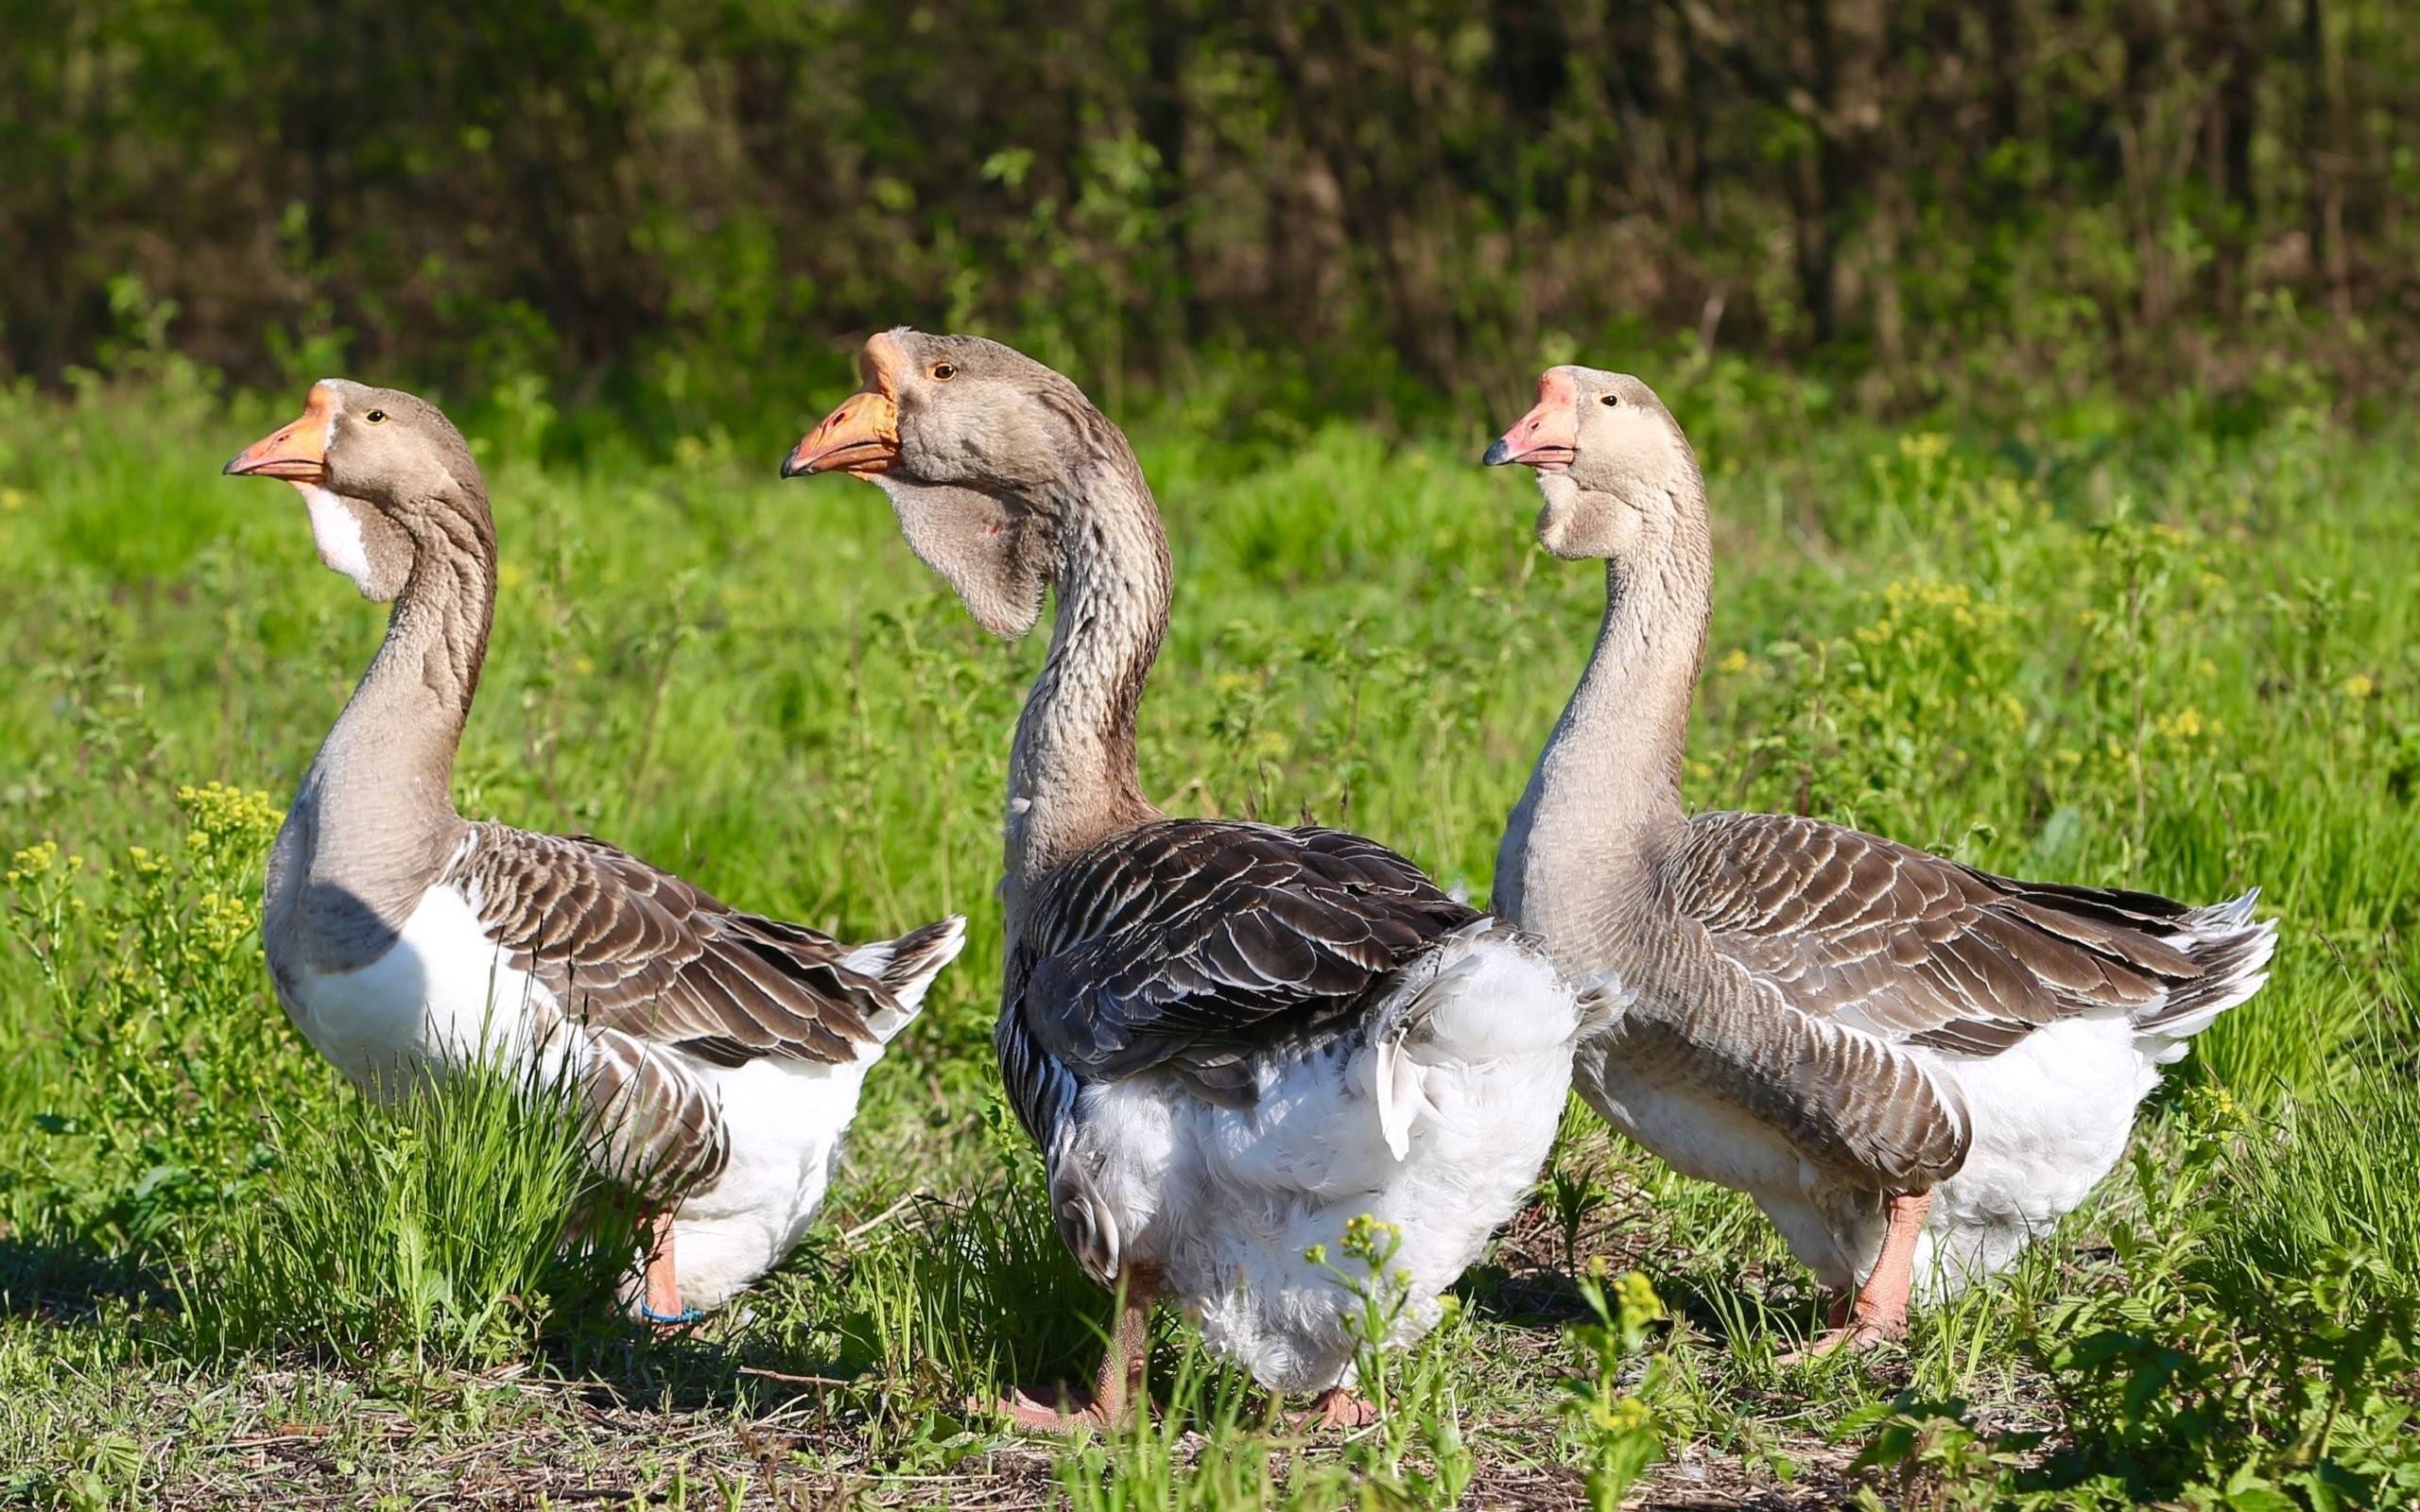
<point x="982" y="451"/>
<point x="379" y="469"/>
<point x="1618" y="477"/>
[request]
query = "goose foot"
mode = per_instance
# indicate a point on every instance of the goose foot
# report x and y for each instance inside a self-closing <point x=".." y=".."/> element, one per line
<point x="1118" y="1393"/>
<point x="1062" y="1411"/>
<point x="1877" y="1313"/>
<point x="1860" y="1339"/>
<point x="1336" y="1408"/>
<point x="660" y="1303"/>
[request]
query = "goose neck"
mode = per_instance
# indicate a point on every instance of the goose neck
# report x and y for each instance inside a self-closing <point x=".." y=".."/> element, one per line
<point x="1072" y="773"/>
<point x="374" y="821"/>
<point x="1602" y="810"/>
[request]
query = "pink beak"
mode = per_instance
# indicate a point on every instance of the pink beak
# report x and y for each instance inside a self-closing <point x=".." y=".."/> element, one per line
<point x="1547" y="437"/>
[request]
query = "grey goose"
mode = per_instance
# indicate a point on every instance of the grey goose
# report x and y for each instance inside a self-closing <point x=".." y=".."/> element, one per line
<point x="721" y="1052"/>
<point x="1230" y="1040"/>
<point x="1914" y="1067"/>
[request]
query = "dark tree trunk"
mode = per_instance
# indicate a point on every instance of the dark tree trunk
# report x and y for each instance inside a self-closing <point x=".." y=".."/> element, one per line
<point x="1167" y="36"/>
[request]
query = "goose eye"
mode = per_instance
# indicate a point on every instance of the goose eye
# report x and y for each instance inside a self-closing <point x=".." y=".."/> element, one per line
<point x="1611" y="401"/>
<point x="375" y="416"/>
<point x="945" y="371"/>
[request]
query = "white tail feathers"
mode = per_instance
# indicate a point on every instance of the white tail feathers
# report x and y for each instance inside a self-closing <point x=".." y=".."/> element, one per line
<point x="2233" y="952"/>
<point x="1401" y="1097"/>
<point x="907" y="965"/>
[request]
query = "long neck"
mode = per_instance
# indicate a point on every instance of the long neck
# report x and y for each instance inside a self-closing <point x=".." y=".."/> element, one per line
<point x="374" y="821"/>
<point x="1604" y="807"/>
<point x="1072" y="776"/>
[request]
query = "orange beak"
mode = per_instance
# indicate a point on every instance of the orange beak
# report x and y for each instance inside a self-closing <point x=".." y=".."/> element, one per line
<point x="297" y="451"/>
<point x="862" y="437"/>
<point x="1547" y="437"/>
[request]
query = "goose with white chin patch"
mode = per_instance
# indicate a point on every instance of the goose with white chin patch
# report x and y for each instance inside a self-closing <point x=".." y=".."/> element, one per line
<point x="721" y="1052"/>
<point x="1914" y="1067"/>
<point x="1230" y="1040"/>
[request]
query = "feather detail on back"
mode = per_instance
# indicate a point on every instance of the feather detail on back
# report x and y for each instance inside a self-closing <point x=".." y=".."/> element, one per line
<point x="1201" y="948"/>
<point x="1921" y="950"/>
<point x="627" y="947"/>
<point x="1191" y="944"/>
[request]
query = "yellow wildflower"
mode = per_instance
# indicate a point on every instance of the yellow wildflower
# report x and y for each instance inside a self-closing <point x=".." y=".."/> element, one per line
<point x="2357" y="686"/>
<point x="1637" y="1297"/>
<point x="1623" y="1414"/>
<point x="2185" y="724"/>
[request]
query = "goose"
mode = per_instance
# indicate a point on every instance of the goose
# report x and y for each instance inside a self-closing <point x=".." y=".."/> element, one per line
<point x="721" y="1052"/>
<point x="1912" y="1066"/>
<point x="1229" y="1040"/>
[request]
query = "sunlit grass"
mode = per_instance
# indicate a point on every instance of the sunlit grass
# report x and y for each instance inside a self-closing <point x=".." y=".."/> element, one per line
<point x="2147" y="657"/>
<point x="457" y="1224"/>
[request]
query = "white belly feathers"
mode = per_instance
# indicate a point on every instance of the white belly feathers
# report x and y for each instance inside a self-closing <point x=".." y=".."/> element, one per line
<point x="445" y="989"/>
<point x="1228" y="1201"/>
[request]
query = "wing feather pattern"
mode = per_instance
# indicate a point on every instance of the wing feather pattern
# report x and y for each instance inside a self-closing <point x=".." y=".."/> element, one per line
<point x="1192" y="946"/>
<point x="1918" y="950"/>
<point x="659" y="977"/>
<point x="627" y="947"/>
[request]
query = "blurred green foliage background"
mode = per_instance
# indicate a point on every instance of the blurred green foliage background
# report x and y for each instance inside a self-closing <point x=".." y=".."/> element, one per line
<point x="665" y="204"/>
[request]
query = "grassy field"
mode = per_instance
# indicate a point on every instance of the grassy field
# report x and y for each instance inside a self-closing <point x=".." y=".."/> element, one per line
<point x="2166" y="652"/>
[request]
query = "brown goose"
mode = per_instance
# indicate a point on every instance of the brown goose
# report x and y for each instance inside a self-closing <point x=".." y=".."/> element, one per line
<point x="723" y="1052"/>
<point x="1913" y="1066"/>
<point x="1229" y="1039"/>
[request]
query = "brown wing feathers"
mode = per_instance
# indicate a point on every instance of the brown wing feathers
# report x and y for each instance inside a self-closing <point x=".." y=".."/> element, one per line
<point x="1193" y="944"/>
<point x="626" y="947"/>
<point x="1926" y="951"/>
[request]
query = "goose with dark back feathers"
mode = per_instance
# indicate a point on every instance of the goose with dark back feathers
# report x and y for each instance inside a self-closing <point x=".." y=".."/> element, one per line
<point x="1229" y="1039"/>
<point x="721" y="1052"/>
<point x="1914" y="1067"/>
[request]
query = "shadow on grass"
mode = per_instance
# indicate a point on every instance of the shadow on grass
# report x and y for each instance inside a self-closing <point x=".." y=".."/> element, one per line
<point x="1539" y="1297"/>
<point x="65" y="1280"/>
<point x="1547" y="1298"/>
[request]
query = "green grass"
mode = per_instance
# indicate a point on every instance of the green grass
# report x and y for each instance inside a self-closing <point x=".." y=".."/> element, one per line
<point x="2144" y="655"/>
<point x="462" y="1225"/>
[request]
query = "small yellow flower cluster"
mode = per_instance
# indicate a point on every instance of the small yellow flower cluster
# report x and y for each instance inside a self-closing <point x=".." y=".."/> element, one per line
<point x="1733" y="661"/>
<point x="1636" y="1296"/>
<point x="1370" y="1240"/>
<point x="1619" y="1415"/>
<point x="2358" y="687"/>
<point x="1913" y="606"/>
<point x="1924" y="446"/>
<point x="1956" y="599"/>
<point x="36" y="860"/>
<point x="41" y="859"/>
<point x="2184" y="726"/>
<point x="2210" y="1106"/>
<point x="218" y="812"/>
<point x="221" y="920"/>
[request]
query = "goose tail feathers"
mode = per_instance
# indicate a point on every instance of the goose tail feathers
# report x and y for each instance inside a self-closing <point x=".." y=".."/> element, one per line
<point x="907" y="965"/>
<point x="2232" y="950"/>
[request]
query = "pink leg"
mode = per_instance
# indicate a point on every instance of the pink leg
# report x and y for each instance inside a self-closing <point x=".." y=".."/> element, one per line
<point x="1879" y="1312"/>
<point x="1337" y="1408"/>
<point x="1119" y="1390"/>
<point x="660" y="1301"/>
